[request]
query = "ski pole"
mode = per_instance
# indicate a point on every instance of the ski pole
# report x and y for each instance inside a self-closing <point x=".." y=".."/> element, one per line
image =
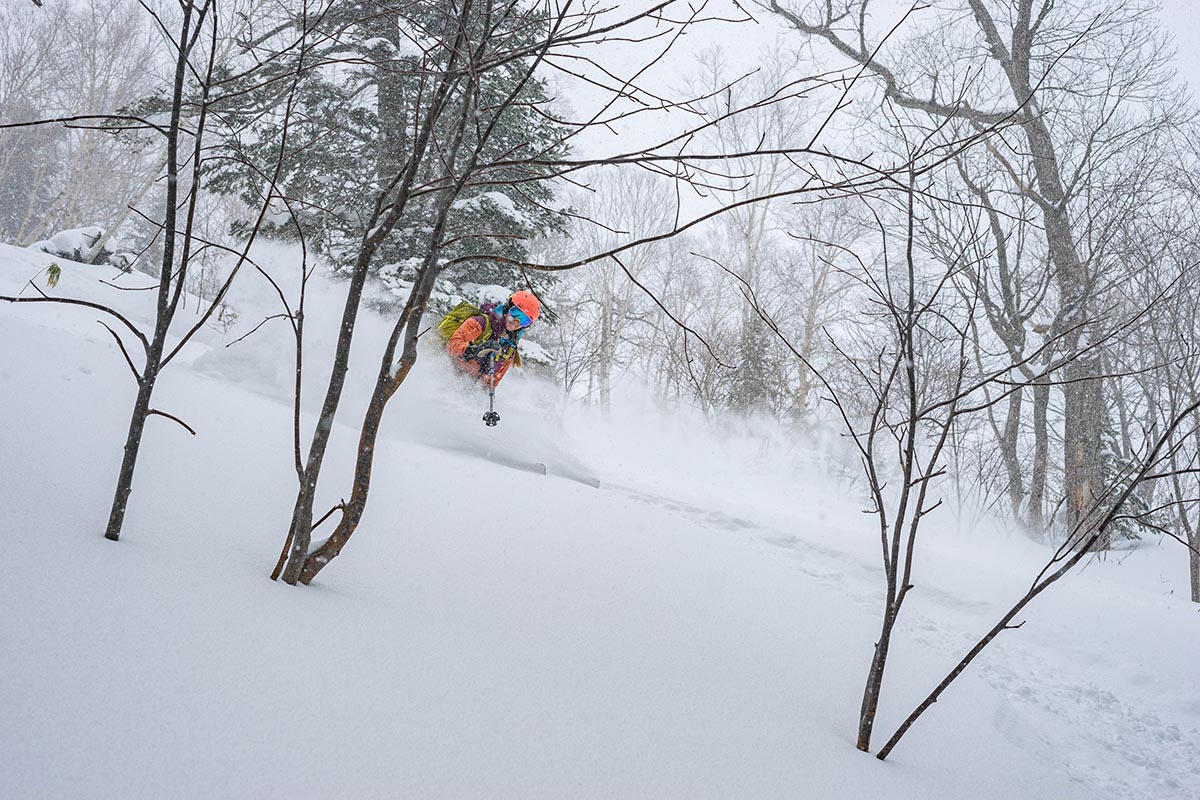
<point x="491" y="417"/>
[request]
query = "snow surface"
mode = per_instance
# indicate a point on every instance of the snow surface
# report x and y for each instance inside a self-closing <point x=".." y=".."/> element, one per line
<point x="665" y="614"/>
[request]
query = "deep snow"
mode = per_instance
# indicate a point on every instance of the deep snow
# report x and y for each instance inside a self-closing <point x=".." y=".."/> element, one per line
<point x="697" y="626"/>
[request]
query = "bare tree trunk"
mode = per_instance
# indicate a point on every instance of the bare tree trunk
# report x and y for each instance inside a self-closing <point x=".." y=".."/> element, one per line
<point x="353" y="509"/>
<point x="304" y="566"/>
<point x="870" y="701"/>
<point x="166" y="307"/>
<point x="1190" y="527"/>
<point x="389" y="380"/>
<point x="898" y="535"/>
<point x="1041" y="457"/>
<point x="606" y="355"/>
<point x="389" y="208"/>
<point x="1083" y="411"/>
<point x="391" y="100"/>
<point x="1008" y="451"/>
<point x="1084" y="543"/>
<point x="1083" y="479"/>
<point x="133" y="443"/>
<point x="300" y="531"/>
<point x="386" y="384"/>
<point x="1083" y="408"/>
<point x="1194" y="565"/>
<point x="804" y="383"/>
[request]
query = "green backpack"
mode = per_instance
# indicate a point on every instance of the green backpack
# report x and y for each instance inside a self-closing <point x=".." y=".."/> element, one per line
<point x="460" y="314"/>
<point x="463" y="312"/>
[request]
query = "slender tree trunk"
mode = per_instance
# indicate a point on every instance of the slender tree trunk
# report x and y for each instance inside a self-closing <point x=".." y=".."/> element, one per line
<point x="1083" y="478"/>
<point x="604" y="367"/>
<point x="391" y="102"/>
<point x="305" y="566"/>
<point x="133" y="443"/>
<point x="386" y="384"/>
<point x="804" y="383"/>
<point x="894" y="535"/>
<point x="300" y="530"/>
<point x="871" y="692"/>
<point x="390" y="207"/>
<point x="165" y="306"/>
<point x="1083" y="408"/>
<point x="1194" y="564"/>
<point x="1041" y="458"/>
<point x="1008" y="451"/>
<point x="357" y="504"/>
<point x="1191" y="533"/>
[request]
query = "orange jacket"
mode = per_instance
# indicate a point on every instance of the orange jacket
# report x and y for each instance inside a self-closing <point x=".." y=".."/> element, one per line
<point x="467" y="333"/>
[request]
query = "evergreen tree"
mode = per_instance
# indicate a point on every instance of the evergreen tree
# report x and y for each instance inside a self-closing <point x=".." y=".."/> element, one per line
<point x="357" y="102"/>
<point x="755" y="385"/>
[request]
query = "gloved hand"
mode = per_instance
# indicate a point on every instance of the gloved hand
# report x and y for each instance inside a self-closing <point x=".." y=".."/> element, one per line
<point x="480" y="352"/>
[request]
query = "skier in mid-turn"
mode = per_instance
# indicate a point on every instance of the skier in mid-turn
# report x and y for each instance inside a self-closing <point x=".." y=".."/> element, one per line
<point x="483" y="341"/>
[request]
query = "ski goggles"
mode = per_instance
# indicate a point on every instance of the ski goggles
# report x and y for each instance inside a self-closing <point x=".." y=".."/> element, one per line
<point x="520" y="316"/>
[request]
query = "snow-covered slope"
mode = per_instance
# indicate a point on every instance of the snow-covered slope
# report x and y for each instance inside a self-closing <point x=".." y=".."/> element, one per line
<point x="699" y="625"/>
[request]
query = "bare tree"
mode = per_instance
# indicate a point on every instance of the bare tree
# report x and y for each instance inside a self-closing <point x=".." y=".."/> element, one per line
<point x="1072" y="79"/>
<point x="906" y="383"/>
<point x="68" y="59"/>
<point x="606" y="317"/>
<point x="445" y="66"/>
<point x="1163" y="359"/>
<point x="821" y="234"/>
<point x="1155" y="465"/>
<point x="778" y="110"/>
<point x="194" y="44"/>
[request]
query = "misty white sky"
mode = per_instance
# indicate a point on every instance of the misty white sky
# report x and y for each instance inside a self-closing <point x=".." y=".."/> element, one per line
<point x="1182" y="21"/>
<point x="742" y="45"/>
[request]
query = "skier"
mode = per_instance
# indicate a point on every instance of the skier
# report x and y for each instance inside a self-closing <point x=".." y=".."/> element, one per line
<point x="483" y="341"/>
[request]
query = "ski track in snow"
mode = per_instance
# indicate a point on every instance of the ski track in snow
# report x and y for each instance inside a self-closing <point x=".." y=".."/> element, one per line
<point x="1032" y="681"/>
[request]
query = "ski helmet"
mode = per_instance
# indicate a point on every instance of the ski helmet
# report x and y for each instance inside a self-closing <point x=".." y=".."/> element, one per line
<point x="527" y="302"/>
